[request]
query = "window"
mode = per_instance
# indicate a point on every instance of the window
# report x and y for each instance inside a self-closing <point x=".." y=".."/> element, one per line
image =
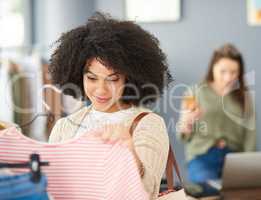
<point x="153" y="10"/>
<point x="11" y="23"/>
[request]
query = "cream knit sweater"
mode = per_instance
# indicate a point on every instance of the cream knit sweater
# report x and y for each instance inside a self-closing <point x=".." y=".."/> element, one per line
<point x="150" y="139"/>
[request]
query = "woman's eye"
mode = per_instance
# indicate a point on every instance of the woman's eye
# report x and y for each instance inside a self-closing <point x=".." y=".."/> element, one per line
<point x="113" y="80"/>
<point x="91" y="78"/>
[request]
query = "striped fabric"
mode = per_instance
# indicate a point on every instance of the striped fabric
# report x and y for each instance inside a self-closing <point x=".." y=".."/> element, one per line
<point x="82" y="168"/>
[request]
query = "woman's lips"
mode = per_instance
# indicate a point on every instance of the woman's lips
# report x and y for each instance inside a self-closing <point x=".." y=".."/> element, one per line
<point x="102" y="99"/>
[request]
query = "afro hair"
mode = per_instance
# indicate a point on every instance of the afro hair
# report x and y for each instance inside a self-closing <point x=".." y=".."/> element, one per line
<point x="122" y="46"/>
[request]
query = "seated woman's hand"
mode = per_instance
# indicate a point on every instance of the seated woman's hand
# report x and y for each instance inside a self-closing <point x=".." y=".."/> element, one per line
<point x="188" y="118"/>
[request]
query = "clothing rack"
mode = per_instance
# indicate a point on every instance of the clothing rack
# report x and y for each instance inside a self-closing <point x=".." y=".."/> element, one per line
<point x="34" y="164"/>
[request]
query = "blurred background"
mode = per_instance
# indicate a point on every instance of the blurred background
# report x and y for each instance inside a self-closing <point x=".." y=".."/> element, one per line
<point x="29" y="28"/>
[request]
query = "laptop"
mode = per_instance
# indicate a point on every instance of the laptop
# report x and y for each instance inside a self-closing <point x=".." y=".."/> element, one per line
<point x="241" y="170"/>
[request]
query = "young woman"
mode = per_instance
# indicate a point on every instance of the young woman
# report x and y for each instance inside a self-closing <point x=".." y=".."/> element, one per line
<point x="119" y="68"/>
<point x="217" y="117"/>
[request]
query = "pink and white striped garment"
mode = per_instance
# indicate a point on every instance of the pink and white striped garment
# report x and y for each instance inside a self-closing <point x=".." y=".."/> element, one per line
<point x="82" y="168"/>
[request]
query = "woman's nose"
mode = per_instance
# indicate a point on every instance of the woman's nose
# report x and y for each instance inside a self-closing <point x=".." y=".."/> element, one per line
<point x="228" y="77"/>
<point x="101" y="87"/>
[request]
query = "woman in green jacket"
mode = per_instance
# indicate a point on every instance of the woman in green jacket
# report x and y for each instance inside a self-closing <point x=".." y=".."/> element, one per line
<point x="217" y="117"/>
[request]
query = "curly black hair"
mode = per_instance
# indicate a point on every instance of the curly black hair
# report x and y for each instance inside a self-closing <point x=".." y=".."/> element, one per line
<point x="122" y="46"/>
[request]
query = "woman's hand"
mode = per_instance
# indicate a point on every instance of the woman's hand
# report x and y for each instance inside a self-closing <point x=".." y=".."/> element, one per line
<point x="121" y="133"/>
<point x="113" y="133"/>
<point x="190" y="113"/>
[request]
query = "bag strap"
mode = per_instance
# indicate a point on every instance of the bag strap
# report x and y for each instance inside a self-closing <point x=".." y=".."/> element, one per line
<point x="136" y="121"/>
<point x="171" y="162"/>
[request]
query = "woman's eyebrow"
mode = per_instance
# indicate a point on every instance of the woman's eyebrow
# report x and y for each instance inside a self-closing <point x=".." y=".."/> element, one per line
<point x="113" y="74"/>
<point x="88" y="71"/>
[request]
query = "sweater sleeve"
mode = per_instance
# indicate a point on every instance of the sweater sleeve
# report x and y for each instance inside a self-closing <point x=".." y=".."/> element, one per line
<point x="250" y="134"/>
<point x="152" y="144"/>
<point x="250" y="140"/>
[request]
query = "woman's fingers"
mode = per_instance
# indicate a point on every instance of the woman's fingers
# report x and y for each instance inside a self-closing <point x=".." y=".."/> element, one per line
<point x="106" y="133"/>
<point x="188" y="118"/>
<point x="197" y="114"/>
<point x="115" y="132"/>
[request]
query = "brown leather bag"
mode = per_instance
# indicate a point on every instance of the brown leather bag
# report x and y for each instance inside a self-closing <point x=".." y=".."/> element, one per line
<point x="171" y="193"/>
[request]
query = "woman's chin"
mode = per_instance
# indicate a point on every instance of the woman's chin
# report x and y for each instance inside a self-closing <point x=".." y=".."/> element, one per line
<point x="103" y="107"/>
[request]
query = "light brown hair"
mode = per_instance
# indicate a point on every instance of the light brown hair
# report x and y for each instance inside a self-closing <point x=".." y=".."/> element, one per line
<point x="231" y="52"/>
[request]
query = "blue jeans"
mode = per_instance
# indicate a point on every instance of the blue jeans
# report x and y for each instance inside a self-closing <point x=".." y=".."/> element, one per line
<point x="20" y="187"/>
<point x="206" y="167"/>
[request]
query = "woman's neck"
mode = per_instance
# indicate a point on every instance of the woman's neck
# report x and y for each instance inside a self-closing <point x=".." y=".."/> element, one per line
<point x="220" y="91"/>
<point x="115" y="108"/>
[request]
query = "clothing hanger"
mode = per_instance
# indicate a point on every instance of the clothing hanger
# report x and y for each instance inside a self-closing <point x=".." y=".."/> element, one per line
<point x="48" y="114"/>
<point x="34" y="164"/>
